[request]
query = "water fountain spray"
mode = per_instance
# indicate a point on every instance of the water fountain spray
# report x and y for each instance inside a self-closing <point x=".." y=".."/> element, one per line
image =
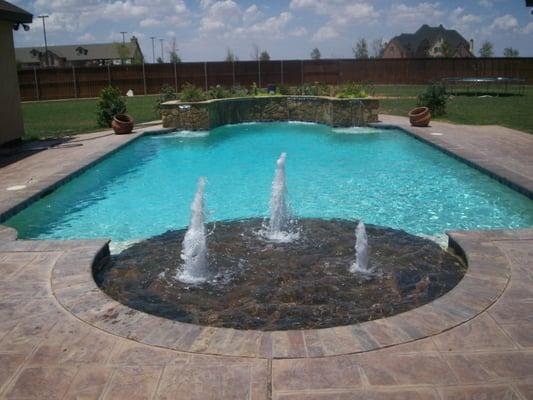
<point x="194" y="247"/>
<point x="361" y="263"/>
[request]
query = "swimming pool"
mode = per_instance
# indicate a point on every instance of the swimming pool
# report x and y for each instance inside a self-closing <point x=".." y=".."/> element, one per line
<point x="385" y="177"/>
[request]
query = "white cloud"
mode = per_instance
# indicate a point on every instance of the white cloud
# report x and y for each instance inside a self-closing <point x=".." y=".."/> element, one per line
<point x="149" y="23"/>
<point x="299" y="31"/>
<point x="413" y="16"/>
<point x="86" y="38"/>
<point x="504" y="23"/>
<point x="528" y="28"/>
<point x="325" y="33"/>
<point x="462" y="22"/>
<point x="251" y="14"/>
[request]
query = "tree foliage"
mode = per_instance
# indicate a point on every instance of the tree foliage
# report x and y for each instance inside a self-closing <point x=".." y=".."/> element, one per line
<point x="230" y="56"/>
<point x="378" y="47"/>
<point x="173" y="53"/>
<point x="511" y="52"/>
<point x="486" y="49"/>
<point x="264" y="56"/>
<point x="315" y="54"/>
<point x="360" y="51"/>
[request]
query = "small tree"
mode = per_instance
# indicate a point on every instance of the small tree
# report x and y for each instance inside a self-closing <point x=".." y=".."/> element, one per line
<point x="486" y="49"/>
<point x="510" y="52"/>
<point x="109" y="104"/>
<point x="123" y="52"/>
<point x="264" y="56"/>
<point x="315" y="54"/>
<point x="360" y="50"/>
<point x="378" y="47"/>
<point x="173" y="53"/>
<point x="159" y="60"/>
<point x="230" y="56"/>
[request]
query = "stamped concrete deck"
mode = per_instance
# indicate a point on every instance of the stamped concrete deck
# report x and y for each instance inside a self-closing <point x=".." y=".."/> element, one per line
<point x="61" y="338"/>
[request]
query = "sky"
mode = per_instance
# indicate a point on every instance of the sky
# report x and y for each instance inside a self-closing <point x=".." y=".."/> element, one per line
<point x="203" y="30"/>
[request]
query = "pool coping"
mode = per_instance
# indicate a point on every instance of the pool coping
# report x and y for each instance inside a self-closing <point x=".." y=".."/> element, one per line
<point x="486" y="279"/>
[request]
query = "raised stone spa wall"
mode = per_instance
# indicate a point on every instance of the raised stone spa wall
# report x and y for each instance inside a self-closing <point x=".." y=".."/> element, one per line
<point x="213" y="113"/>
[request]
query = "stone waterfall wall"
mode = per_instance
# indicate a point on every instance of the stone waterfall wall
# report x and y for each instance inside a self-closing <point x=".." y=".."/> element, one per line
<point x="213" y="113"/>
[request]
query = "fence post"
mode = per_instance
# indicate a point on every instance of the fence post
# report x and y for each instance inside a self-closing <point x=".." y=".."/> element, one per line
<point x="74" y="82"/>
<point x="282" y="72"/>
<point x="205" y="75"/>
<point x="259" y="73"/>
<point x="109" y="74"/>
<point x="36" y="83"/>
<point x="144" y="79"/>
<point x="233" y="71"/>
<point x="302" y="71"/>
<point x="176" y="77"/>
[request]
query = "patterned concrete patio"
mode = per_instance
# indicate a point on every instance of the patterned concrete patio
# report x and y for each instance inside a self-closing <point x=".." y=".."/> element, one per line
<point x="61" y="338"/>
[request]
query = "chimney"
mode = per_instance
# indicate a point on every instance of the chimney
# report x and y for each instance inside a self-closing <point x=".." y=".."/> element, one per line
<point x="472" y="46"/>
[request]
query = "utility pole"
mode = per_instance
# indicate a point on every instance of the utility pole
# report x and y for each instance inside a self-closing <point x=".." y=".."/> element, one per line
<point x="153" y="49"/>
<point x="43" y="16"/>
<point x="123" y="37"/>
<point x="162" y="54"/>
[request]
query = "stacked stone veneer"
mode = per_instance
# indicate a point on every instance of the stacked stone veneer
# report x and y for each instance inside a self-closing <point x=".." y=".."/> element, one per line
<point x="213" y="113"/>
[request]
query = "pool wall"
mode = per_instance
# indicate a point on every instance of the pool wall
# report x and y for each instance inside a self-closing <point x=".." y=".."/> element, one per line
<point x="210" y="114"/>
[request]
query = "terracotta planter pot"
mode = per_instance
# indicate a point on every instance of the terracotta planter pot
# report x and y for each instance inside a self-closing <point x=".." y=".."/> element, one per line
<point x="420" y="116"/>
<point x="122" y="124"/>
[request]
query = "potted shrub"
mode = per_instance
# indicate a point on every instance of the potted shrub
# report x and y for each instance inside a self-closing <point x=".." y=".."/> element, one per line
<point x="431" y="102"/>
<point x="122" y="124"/>
<point x="111" y="111"/>
<point x="420" y="116"/>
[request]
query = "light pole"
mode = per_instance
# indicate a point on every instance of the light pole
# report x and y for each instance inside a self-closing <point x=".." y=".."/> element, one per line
<point x="153" y="49"/>
<point x="123" y="37"/>
<point x="162" y="54"/>
<point x="43" y="16"/>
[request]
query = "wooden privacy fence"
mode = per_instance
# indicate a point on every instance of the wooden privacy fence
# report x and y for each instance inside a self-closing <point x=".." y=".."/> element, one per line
<point x="80" y="82"/>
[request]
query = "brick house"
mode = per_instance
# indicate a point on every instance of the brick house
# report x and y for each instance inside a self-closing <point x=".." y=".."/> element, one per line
<point x="429" y="41"/>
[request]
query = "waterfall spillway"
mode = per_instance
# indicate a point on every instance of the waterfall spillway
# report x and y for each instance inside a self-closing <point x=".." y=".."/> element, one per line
<point x="194" y="247"/>
<point x="361" y="263"/>
<point x="278" y="228"/>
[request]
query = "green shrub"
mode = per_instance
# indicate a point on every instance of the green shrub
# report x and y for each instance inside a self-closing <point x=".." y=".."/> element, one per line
<point x="167" y="93"/>
<point x="434" y="98"/>
<point x="351" y="90"/>
<point x="254" y="90"/>
<point x="314" y="89"/>
<point x="238" y="91"/>
<point x="190" y="93"/>
<point x="282" y="89"/>
<point x="109" y="104"/>
<point x="218" y="92"/>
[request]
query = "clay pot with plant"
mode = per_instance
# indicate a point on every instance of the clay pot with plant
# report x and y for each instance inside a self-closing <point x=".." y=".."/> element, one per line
<point x="420" y="116"/>
<point x="122" y="124"/>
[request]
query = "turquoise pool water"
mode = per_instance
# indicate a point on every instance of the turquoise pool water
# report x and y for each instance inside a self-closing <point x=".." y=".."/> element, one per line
<point x="384" y="177"/>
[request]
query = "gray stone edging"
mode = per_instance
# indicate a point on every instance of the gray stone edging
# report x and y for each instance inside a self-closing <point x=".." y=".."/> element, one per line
<point x="204" y="115"/>
<point x="487" y="277"/>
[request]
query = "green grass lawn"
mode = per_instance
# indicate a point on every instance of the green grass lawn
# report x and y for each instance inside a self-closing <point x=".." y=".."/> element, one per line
<point x="513" y="111"/>
<point x="62" y="118"/>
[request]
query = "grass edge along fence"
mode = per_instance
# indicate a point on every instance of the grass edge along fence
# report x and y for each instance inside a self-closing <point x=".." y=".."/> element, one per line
<point x="85" y="82"/>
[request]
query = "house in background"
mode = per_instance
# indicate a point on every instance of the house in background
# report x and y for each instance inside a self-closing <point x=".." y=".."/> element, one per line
<point x="80" y="55"/>
<point x="11" y="126"/>
<point x="429" y="41"/>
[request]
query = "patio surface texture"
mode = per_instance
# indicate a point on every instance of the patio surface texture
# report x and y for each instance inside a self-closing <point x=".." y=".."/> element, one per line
<point x="62" y="338"/>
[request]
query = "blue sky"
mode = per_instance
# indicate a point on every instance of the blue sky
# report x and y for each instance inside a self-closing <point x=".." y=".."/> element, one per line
<point x="205" y="29"/>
